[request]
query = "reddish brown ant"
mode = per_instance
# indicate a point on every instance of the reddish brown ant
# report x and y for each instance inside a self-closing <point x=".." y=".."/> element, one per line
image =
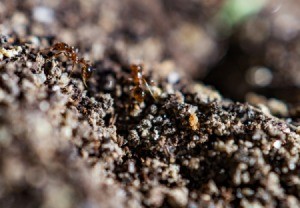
<point x="71" y="54"/>
<point x="139" y="81"/>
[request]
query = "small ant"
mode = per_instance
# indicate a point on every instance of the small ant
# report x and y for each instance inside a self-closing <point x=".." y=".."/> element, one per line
<point x="139" y="81"/>
<point x="71" y="54"/>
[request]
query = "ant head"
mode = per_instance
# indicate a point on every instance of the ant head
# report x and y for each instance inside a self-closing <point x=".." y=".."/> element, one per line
<point x="137" y="68"/>
<point x="88" y="70"/>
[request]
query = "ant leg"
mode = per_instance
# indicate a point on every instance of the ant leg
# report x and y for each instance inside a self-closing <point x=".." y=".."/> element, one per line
<point x="84" y="74"/>
<point x="84" y="78"/>
<point x="73" y="65"/>
<point x="63" y="52"/>
<point x="66" y="55"/>
<point x="151" y="92"/>
<point x="57" y="54"/>
<point x="84" y="82"/>
<point x="83" y="70"/>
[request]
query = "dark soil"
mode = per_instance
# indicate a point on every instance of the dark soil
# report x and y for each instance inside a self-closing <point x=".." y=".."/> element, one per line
<point x="65" y="145"/>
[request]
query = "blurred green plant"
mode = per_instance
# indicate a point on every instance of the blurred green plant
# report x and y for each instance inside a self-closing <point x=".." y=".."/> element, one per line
<point x="234" y="12"/>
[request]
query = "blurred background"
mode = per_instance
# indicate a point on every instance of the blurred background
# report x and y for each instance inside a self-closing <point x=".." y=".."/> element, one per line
<point x="247" y="50"/>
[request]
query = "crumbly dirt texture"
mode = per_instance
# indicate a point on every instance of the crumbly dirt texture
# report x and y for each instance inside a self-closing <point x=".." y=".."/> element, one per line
<point x="65" y="145"/>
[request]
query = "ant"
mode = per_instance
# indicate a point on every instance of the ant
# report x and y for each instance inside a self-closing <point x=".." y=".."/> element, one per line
<point x="139" y="81"/>
<point x="71" y="54"/>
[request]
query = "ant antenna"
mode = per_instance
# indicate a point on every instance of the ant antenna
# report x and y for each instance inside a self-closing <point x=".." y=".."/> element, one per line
<point x="150" y="90"/>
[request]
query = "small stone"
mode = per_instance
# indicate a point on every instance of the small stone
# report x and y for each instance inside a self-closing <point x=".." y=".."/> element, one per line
<point x="43" y="14"/>
<point x="178" y="197"/>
